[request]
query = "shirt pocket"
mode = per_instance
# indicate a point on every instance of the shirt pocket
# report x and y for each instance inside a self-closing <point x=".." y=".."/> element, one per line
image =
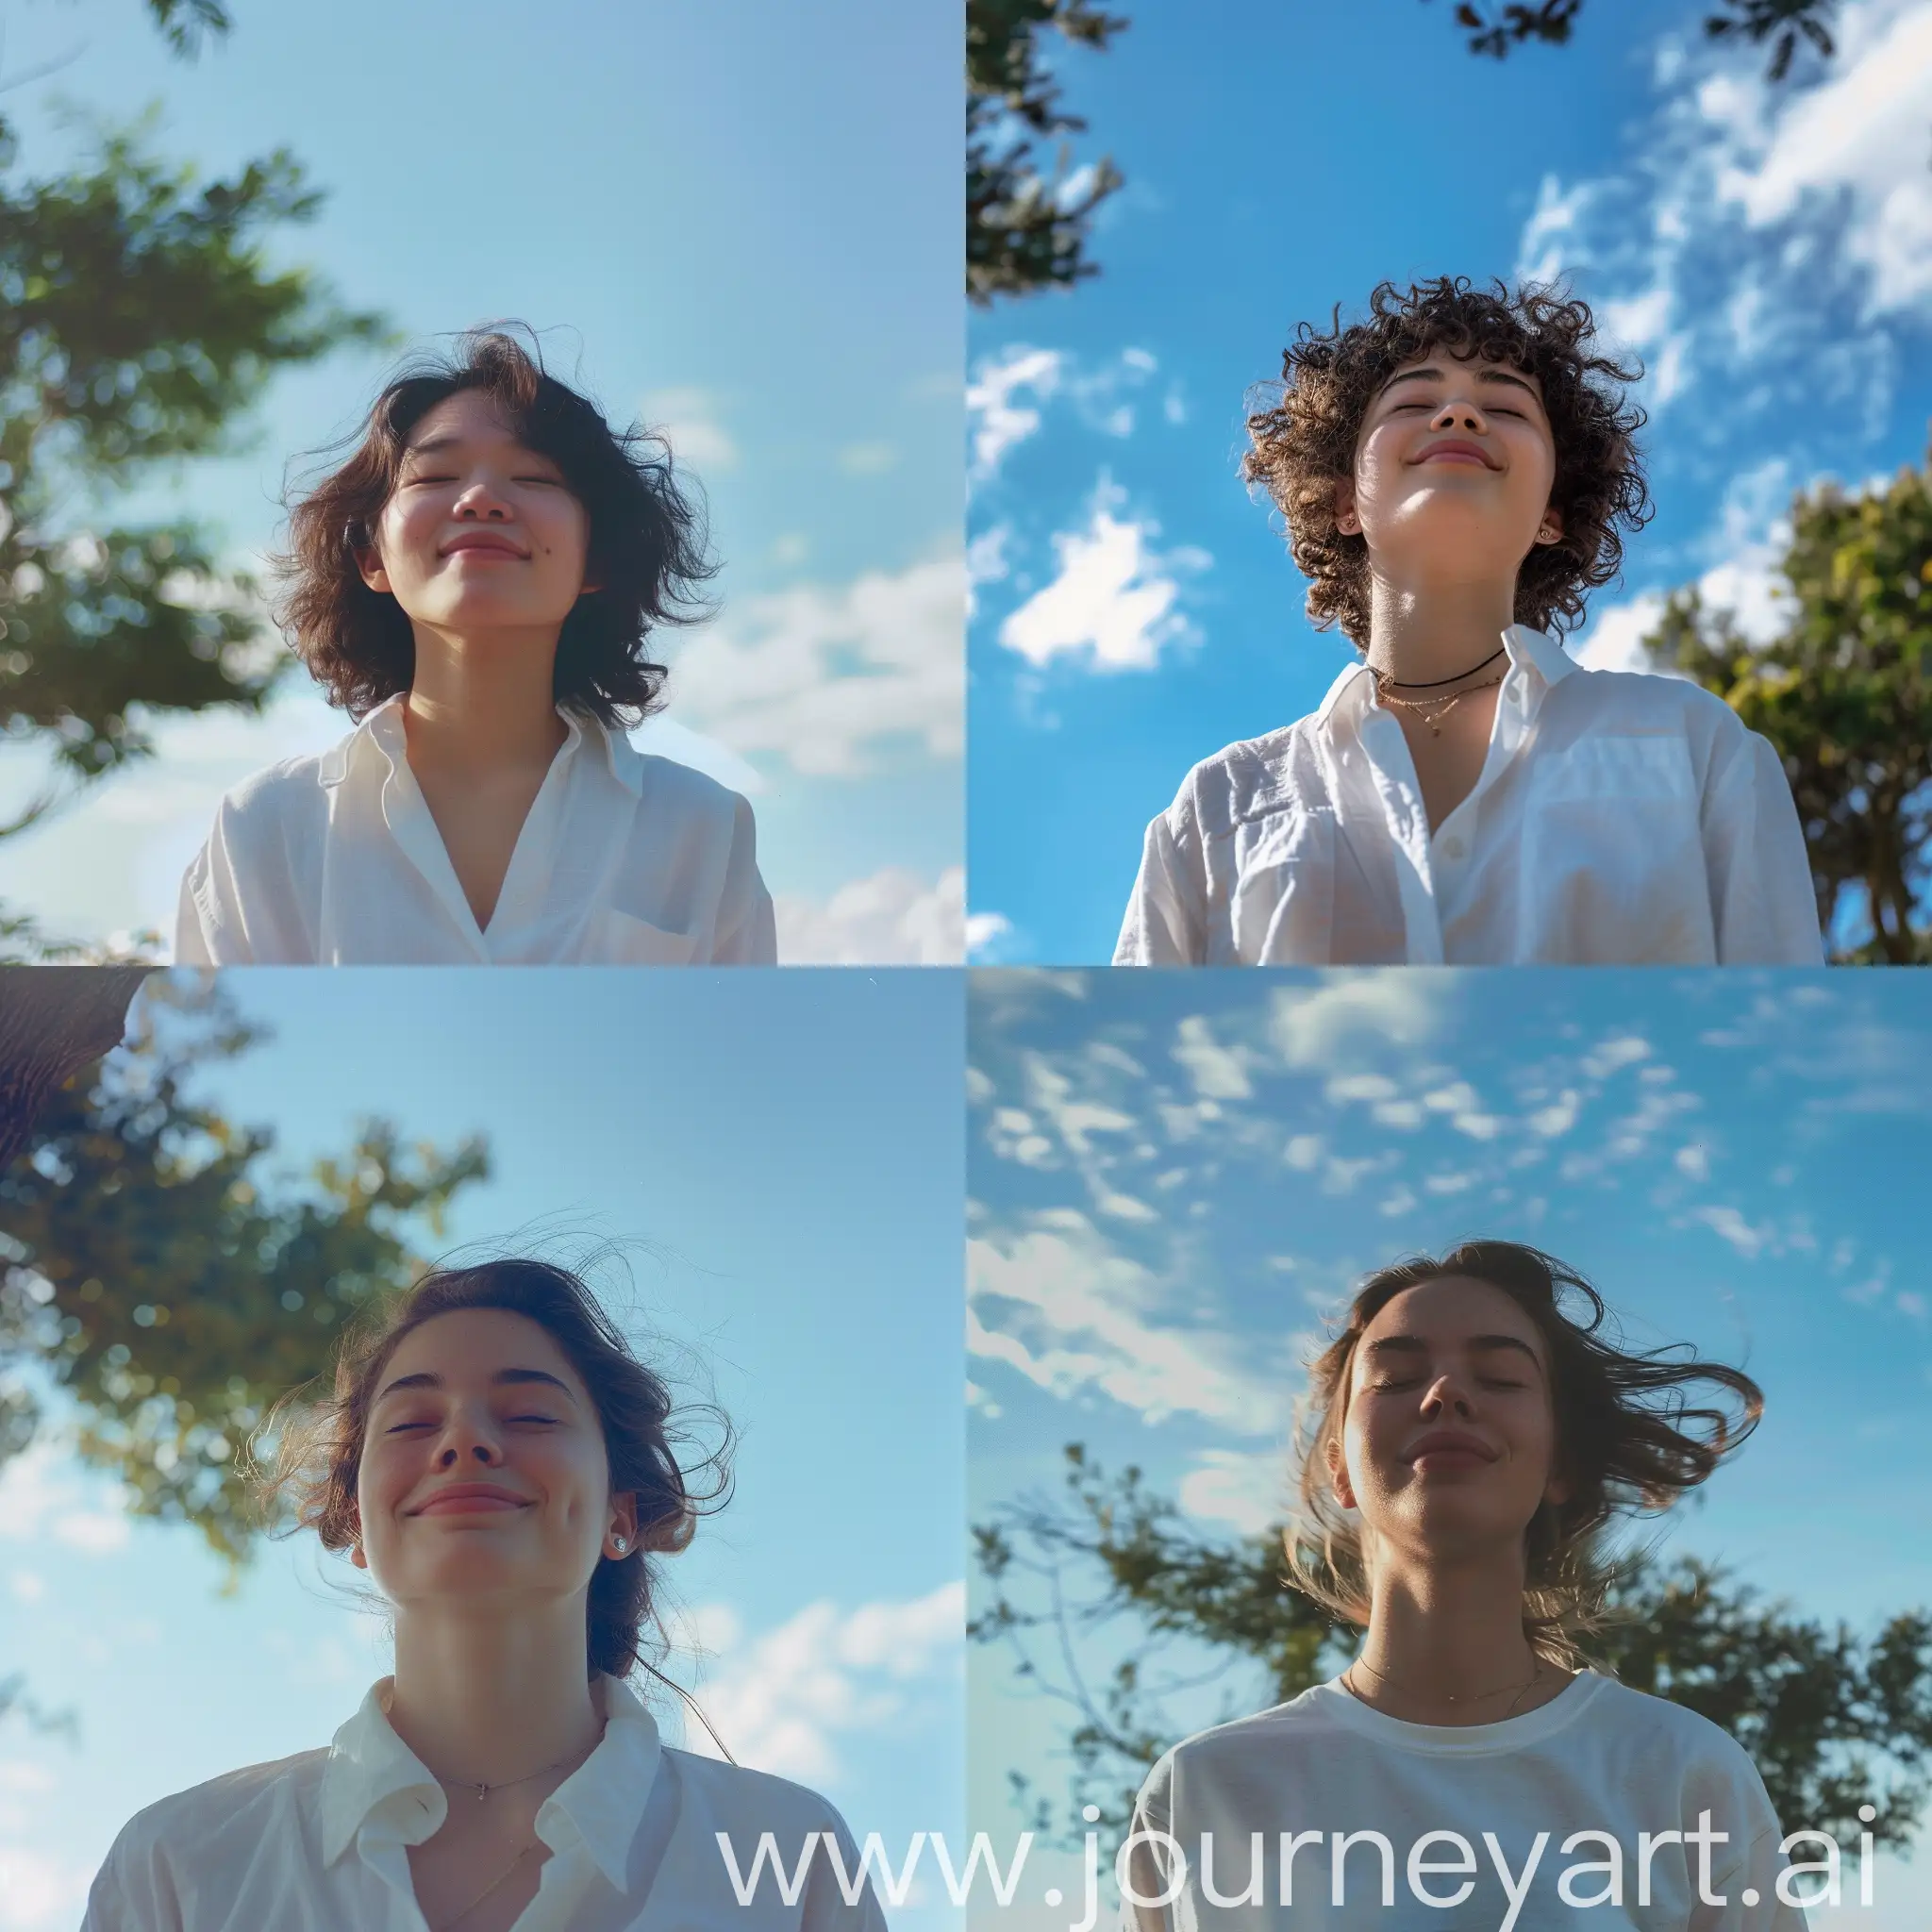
<point x="1281" y="911"/>
<point x="628" y="941"/>
<point x="1613" y="871"/>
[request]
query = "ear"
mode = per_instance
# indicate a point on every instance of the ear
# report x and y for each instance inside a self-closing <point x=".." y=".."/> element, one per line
<point x="356" y="1555"/>
<point x="1550" y="529"/>
<point x="368" y="562"/>
<point x="1338" y="1476"/>
<point x="621" y="1532"/>
<point x="1346" y="520"/>
<point x="1558" y="1489"/>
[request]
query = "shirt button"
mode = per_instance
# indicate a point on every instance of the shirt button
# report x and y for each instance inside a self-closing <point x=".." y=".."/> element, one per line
<point x="1452" y="848"/>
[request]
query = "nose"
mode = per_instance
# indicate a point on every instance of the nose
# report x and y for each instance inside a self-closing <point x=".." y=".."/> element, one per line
<point x="1446" y="1395"/>
<point x="466" y="1437"/>
<point x="1458" y="413"/>
<point x="480" y="504"/>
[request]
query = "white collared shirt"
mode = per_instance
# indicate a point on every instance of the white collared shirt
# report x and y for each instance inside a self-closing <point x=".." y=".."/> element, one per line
<point x="1540" y="1793"/>
<point x="319" y="1842"/>
<point x="1619" y="819"/>
<point x="625" y="859"/>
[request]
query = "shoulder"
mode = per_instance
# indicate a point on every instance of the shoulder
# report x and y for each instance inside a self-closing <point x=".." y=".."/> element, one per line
<point x="1244" y="780"/>
<point x="1690" y="1737"/>
<point x="278" y="795"/>
<point x="1300" y="1721"/>
<point x="669" y="787"/>
<point x="755" y="1799"/>
<point x="184" y="1827"/>
<point x="1651" y="696"/>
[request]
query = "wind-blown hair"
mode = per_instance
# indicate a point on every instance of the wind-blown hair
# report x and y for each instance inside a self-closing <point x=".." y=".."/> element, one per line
<point x="318" y="1455"/>
<point x="1303" y="441"/>
<point x="647" y="549"/>
<point x="1626" y="1440"/>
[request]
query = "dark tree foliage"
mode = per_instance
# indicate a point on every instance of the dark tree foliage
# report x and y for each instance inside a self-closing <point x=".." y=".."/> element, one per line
<point x="1831" y="1720"/>
<point x="140" y="321"/>
<point x="164" y="1277"/>
<point x="1025" y="229"/>
<point x="1844" y="694"/>
<point x="1496" y="29"/>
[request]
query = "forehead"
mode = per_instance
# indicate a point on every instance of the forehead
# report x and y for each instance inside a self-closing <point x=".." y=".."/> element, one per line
<point x="1445" y="1312"/>
<point x="469" y="418"/>
<point x="469" y="1345"/>
<point x="1443" y="364"/>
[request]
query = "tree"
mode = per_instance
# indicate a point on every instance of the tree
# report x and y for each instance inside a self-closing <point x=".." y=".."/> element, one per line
<point x="1831" y="1722"/>
<point x="1844" y="694"/>
<point x="1025" y="229"/>
<point x="166" y="1282"/>
<point x="140" y="321"/>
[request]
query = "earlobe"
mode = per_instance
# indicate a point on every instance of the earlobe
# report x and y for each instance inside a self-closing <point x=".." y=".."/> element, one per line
<point x="369" y="564"/>
<point x="1347" y="522"/>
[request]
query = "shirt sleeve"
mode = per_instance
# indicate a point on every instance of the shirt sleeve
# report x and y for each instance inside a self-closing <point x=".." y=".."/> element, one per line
<point x="1762" y="901"/>
<point x="1165" y="924"/>
<point x="133" y="1891"/>
<point x="840" y="1896"/>
<point x="746" y="932"/>
<point x="193" y="945"/>
<point x="1149" y="1870"/>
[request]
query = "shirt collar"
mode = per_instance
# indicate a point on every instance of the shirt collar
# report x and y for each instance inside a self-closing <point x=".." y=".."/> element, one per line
<point x="603" y="1798"/>
<point x="382" y="728"/>
<point x="1540" y="652"/>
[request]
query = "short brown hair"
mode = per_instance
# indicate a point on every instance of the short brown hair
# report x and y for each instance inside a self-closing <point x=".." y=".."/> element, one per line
<point x="647" y="540"/>
<point x="1620" y="1440"/>
<point x="1302" y="443"/>
<point x="319" y="1457"/>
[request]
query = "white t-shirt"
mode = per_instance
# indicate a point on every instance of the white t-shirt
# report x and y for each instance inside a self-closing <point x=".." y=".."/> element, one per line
<point x="625" y="859"/>
<point x="319" y="1842"/>
<point x="1618" y="820"/>
<point x="1597" y="1758"/>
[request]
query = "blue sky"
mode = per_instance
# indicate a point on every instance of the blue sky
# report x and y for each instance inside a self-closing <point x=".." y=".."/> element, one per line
<point x="1175" y="1179"/>
<point x="791" y="1151"/>
<point x="694" y="203"/>
<point x="1767" y="254"/>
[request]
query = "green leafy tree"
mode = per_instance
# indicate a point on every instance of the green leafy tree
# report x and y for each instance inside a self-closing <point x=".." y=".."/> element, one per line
<point x="1831" y="1721"/>
<point x="156" y="1271"/>
<point x="1844" y="694"/>
<point x="1781" y="24"/>
<point x="140" y="321"/>
<point x="1025" y="229"/>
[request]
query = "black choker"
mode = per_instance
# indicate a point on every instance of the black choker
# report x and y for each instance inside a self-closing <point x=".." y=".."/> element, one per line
<point x="1436" y="684"/>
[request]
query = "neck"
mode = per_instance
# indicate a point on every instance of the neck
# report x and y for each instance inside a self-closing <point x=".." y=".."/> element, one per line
<point x="1446" y="1637"/>
<point x="483" y="1700"/>
<point x="1418" y="633"/>
<point x="484" y="703"/>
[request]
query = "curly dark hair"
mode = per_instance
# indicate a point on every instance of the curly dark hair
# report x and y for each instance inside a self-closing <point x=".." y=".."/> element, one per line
<point x="1621" y="1440"/>
<point x="647" y="548"/>
<point x="318" y="1454"/>
<point x="1304" y="442"/>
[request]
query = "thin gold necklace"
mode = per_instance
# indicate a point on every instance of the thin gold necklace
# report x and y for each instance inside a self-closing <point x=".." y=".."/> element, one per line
<point x="486" y="1890"/>
<point x="1432" y="711"/>
<point x="1466" y="1697"/>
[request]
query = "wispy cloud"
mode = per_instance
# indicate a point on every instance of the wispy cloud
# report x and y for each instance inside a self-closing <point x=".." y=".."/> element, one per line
<point x="894" y="917"/>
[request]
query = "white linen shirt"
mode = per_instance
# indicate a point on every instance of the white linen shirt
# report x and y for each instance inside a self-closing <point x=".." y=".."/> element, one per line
<point x="1597" y="1758"/>
<point x="625" y="859"/>
<point x="1619" y="819"/>
<point x="319" y="1842"/>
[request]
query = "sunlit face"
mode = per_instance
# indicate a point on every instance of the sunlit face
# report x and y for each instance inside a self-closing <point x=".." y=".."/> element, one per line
<point x="484" y="1401"/>
<point x="1449" y="1443"/>
<point x="481" y="533"/>
<point x="1453" y="470"/>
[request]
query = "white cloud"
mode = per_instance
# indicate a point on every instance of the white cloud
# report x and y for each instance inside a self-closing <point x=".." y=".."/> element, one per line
<point x="1219" y="1072"/>
<point x="1314" y="1025"/>
<point x="782" y="1700"/>
<point x="44" y="1493"/>
<point x="687" y="418"/>
<point x="1114" y="603"/>
<point x="38" y="1891"/>
<point x="822" y="676"/>
<point x="1247" y="1491"/>
<point x="1730" y="1225"/>
<point x="894" y="918"/>
<point x="1060" y="1305"/>
<point x="999" y="418"/>
<point x="990" y="938"/>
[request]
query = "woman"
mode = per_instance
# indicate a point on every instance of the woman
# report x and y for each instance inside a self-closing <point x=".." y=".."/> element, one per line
<point x="1467" y="1439"/>
<point x="477" y="586"/>
<point x="1454" y="473"/>
<point x="502" y="1466"/>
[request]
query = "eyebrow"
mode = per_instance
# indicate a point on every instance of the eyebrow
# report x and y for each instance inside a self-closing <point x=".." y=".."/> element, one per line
<point x="1488" y="372"/>
<point x="1414" y="1345"/>
<point x="504" y="1378"/>
<point x="436" y="445"/>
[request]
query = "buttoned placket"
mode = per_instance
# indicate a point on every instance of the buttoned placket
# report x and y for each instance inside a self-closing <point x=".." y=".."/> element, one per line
<point x="1429" y="867"/>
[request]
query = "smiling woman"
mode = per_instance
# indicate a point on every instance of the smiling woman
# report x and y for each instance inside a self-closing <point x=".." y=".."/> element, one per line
<point x="1454" y="472"/>
<point x="1469" y="1435"/>
<point x="510" y="1474"/>
<point x="479" y="585"/>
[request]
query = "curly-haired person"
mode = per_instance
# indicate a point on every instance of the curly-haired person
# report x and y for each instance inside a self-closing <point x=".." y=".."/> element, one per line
<point x="1456" y="472"/>
<point x="478" y="585"/>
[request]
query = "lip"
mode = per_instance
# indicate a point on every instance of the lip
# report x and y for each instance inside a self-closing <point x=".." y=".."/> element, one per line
<point x="1456" y="451"/>
<point x="469" y="1499"/>
<point x="480" y="543"/>
<point x="1449" y="1449"/>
